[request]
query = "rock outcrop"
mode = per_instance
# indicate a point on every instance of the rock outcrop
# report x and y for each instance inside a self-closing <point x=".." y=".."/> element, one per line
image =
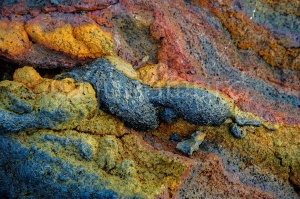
<point x="226" y="68"/>
<point x="137" y="104"/>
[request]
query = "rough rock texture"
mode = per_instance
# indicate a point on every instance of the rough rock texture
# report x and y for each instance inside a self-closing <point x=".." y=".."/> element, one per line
<point x="14" y="39"/>
<point x="71" y="164"/>
<point x="31" y="101"/>
<point x="53" y="40"/>
<point x="222" y="173"/>
<point x="248" y="34"/>
<point x="245" y="50"/>
<point x="229" y="46"/>
<point x="137" y="104"/>
<point x="191" y="145"/>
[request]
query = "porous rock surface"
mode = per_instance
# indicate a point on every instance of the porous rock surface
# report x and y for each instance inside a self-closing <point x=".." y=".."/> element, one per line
<point x="240" y="48"/>
<point x="72" y="164"/>
<point x="31" y="102"/>
<point x="137" y="104"/>
<point x="245" y="50"/>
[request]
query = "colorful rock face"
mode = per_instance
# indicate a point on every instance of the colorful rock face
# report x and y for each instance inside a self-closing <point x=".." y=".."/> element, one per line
<point x="71" y="164"/>
<point x="175" y="65"/>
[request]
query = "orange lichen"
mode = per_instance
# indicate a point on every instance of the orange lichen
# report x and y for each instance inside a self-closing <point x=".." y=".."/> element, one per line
<point x="82" y="41"/>
<point x="248" y="35"/>
<point x="13" y="38"/>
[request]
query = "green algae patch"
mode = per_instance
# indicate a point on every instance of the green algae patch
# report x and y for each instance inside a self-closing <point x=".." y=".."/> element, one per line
<point x="126" y="165"/>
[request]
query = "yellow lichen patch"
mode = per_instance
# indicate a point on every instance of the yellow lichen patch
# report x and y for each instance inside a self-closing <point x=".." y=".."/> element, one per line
<point x="82" y="41"/>
<point x="12" y="94"/>
<point x="156" y="171"/>
<point x="65" y="101"/>
<point x="27" y="76"/>
<point x="66" y="86"/>
<point x="98" y="43"/>
<point x="13" y="38"/>
<point x="181" y="127"/>
<point x="32" y="80"/>
<point x="102" y="123"/>
<point x="123" y="66"/>
<point x="200" y="137"/>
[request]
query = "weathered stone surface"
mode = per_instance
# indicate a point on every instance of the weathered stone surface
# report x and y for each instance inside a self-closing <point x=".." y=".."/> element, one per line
<point x="276" y="152"/>
<point x="10" y="7"/>
<point x="118" y="94"/>
<point x="224" y="57"/>
<point x="196" y="46"/>
<point x="247" y="34"/>
<point x="71" y="164"/>
<point x="223" y="173"/>
<point x="237" y="132"/>
<point x="137" y="104"/>
<point x="246" y="50"/>
<point x="31" y="101"/>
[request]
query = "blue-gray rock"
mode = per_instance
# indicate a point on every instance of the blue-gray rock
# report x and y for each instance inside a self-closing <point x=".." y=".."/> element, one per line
<point x="191" y="145"/>
<point x="137" y="104"/>
<point x="168" y="116"/>
<point x="118" y="94"/>
<point x="247" y="122"/>
<point x="197" y="106"/>
<point x="28" y="172"/>
<point x="237" y="132"/>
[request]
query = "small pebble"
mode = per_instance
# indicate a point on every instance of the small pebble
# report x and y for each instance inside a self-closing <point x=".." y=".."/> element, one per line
<point x="190" y="145"/>
<point x="237" y="132"/>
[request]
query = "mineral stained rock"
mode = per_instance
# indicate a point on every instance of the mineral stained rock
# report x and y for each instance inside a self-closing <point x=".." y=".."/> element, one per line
<point x="31" y="101"/>
<point x="79" y="36"/>
<point x="223" y="172"/>
<point x="246" y="50"/>
<point x="72" y="164"/>
<point x="14" y="39"/>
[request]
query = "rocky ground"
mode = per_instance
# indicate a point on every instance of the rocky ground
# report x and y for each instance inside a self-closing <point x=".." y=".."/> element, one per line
<point x="110" y="88"/>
